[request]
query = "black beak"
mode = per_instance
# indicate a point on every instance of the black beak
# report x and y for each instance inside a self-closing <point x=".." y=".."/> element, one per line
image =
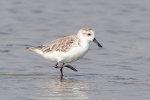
<point x="95" y="41"/>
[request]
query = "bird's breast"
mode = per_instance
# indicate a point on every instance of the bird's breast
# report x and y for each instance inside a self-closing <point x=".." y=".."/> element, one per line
<point x="75" y="53"/>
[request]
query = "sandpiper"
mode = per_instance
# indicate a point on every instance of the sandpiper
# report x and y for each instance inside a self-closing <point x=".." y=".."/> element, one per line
<point x="67" y="49"/>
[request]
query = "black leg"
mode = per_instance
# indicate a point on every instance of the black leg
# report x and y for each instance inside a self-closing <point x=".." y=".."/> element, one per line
<point x="56" y="65"/>
<point x="72" y="68"/>
<point x="61" y="71"/>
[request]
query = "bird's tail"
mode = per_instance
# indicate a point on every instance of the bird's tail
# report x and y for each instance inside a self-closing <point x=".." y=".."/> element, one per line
<point x="30" y="49"/>
<point x="34" y="49"/>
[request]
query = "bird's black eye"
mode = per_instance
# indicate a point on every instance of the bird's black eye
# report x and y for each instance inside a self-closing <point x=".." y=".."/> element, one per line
<point x="89" y="34"/>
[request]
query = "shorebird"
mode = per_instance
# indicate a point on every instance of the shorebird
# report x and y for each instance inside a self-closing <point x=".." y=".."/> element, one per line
<point x="67" y="49"/>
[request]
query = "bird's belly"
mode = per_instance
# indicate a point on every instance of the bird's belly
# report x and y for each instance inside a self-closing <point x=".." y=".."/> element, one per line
<point x="66" y="57"/>
<point x="74" y="54"/>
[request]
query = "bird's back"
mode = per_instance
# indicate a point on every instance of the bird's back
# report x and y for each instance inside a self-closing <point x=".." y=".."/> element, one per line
<point x="61" y="44"/>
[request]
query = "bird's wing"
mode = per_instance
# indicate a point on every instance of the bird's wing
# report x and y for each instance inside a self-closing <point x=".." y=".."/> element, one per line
<point x="61" y="44"/>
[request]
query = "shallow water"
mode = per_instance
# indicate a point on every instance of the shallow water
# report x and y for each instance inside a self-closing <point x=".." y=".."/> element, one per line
<point x="119" y="71"/>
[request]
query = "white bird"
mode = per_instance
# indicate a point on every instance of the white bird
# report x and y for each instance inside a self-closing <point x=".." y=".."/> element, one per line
<point x="67" y="49"/>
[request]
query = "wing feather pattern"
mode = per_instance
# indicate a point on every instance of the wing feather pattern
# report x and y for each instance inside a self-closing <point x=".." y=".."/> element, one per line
<point x="61" y="44"/>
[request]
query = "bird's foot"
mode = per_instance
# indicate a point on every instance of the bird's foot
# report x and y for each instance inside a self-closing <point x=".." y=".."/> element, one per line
<point x="56" y="66"/>
<point x="72" y="68"/>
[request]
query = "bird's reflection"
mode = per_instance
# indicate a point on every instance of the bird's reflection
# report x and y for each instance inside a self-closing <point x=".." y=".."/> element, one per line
<point x="67" y="89"/>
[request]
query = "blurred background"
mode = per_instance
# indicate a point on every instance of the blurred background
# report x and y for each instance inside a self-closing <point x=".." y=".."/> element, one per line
<point x="119" y="71"/>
